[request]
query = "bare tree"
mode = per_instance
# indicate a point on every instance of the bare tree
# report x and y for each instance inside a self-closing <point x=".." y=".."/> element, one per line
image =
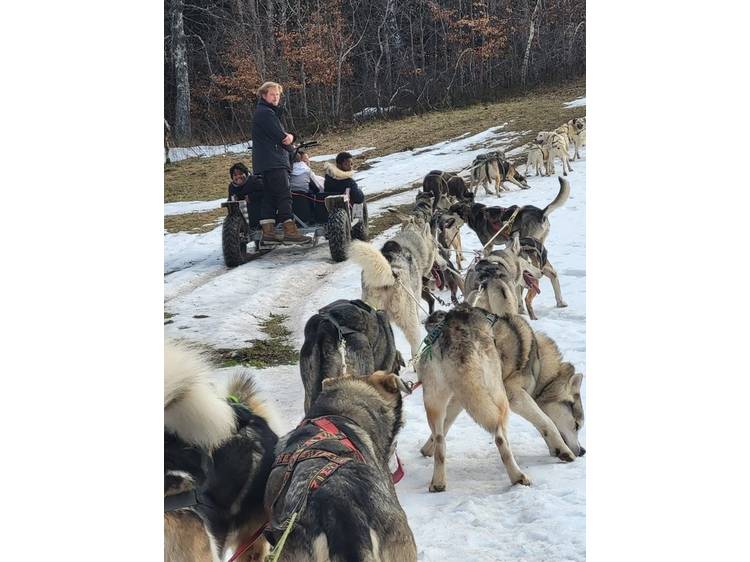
<point x="182" y="129"/>
<point x="525" y="65"/>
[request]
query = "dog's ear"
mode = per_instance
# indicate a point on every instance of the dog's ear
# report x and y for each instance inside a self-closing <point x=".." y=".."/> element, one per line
<point x="328" y="383"/>
<point x="575" y="383"/>
<point x="515" y="246"/>
<point x="388" y="384"/>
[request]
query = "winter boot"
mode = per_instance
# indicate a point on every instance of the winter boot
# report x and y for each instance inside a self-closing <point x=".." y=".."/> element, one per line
<point x="268" y="226"/>
<point x="292" y="235"/>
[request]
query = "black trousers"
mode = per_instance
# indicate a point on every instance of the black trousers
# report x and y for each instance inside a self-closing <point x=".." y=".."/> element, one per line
<point x="277" y="199"/>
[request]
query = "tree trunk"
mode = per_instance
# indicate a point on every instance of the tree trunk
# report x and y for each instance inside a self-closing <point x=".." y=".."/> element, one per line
<point x="525" y="66"/>
<point x="182" y="131"/>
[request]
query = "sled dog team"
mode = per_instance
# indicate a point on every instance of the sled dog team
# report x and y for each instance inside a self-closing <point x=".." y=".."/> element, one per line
<point x="235" y="488"/>
<point x="547" y="147"/>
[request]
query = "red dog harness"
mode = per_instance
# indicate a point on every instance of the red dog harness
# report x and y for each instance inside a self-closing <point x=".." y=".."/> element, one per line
<point x="310" y="449"/>
<point x="327" y="431"/>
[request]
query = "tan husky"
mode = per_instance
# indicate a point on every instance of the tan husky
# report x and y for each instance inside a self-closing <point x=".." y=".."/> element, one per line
<point x="463" y="371"/>
<point x="541" y="387"/>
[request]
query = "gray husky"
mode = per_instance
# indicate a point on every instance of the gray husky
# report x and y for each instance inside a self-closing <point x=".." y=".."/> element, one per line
<point x="332" y="470"/>
<point x="463" y="371"/>
<point x="392" y="276"/>
<point x="495" y="283"/>
<point x="346" y="338"/>
<point x="541" y="387"/>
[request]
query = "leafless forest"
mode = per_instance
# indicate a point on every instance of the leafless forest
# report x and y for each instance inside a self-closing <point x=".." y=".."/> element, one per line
<point x="337" y="58"/>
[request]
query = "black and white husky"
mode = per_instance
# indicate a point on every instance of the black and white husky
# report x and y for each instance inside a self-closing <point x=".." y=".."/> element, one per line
<point x="218" y="451"/>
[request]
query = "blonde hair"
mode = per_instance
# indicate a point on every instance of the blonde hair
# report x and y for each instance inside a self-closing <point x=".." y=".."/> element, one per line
<point x="263" y="90"/>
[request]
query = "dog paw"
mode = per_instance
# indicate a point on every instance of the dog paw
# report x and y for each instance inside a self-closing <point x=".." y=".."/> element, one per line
<point x="562" y="305"/>
<point x="565" y="456"/>
<point x="437" y="487"/>
<point x="523" y="480"/>
<point x="428" y="450"/>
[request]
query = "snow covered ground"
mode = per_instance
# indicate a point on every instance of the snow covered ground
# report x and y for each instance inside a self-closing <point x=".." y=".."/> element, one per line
<point x="204" y="151"/>
<point x="580" y="102"/>
<point x="480" y="518"/>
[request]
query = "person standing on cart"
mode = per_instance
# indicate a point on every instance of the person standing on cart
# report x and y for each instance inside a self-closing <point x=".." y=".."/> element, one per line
<point x="271" y="158"/>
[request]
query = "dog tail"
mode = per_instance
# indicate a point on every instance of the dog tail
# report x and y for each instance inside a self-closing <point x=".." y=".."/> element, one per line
<point x="193" y="409"/>
<point x="242" y="388"/>
<point x="376" y="269"/>
<point x="562" y="197"/>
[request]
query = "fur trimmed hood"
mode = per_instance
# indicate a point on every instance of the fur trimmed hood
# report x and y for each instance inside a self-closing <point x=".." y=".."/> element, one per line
<point x="336" y="173"/>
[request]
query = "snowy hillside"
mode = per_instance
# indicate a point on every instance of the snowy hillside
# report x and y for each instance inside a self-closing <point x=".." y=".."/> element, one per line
<point x="480" y="517"/>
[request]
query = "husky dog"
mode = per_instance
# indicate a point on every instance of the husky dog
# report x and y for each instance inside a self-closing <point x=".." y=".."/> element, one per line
<point x="485" y="171"/>
<point x="463" y="371"/>
<point x="217" y="455"/>
<point x="345" y="338"/>
<point x="541" y="387"/>
<point x="392" y="276"/>
<point x="332" y="470"/>
<point x="493" y="283"/>
<point x="447" y="228"/>
<point x="493" y="166"/>
<point x="530" y="221"/>
<point x="574" y="131"/>
<point x="534" y="253"/>
<point x="424" y="205"/>
<point x="557" y="144"/>
<point x="439" y="183"/>
<point x="443" y="274"/>
<point x="536" y="159"/>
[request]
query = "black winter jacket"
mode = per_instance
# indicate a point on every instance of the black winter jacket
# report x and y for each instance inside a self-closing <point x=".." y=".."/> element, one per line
<point x="337" y="181"/>
<point x="268" y="132"/>
<point x="253" y="186"/>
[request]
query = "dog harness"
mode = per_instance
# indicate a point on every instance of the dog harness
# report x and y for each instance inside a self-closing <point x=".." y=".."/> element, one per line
<point x="343" y="452"/>
<point x="329" y="443"/>
<point x="313" y="448"/>
<point x="343" y="330"/>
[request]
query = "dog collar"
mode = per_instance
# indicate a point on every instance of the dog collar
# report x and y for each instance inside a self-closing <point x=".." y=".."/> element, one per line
<point x="184" y="500"/>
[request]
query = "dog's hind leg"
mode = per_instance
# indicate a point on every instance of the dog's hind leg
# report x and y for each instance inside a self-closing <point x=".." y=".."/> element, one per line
<point x="435" y="405"/>
<point x="566" y="162"/>
<point x="549" y="271"/>
<point x="452" y="410"/>
<point x="491" y="412"/>
<point x="427" y="297"/>
<point x="530" y="294"/>
<point x="523" y="405"/>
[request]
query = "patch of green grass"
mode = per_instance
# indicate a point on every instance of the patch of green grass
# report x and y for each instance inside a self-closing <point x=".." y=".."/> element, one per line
<point x="386" y="220"/>
<point x="277" y="349"/>
<point x="274" y="327"/>
<point x="194" y="223"/>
